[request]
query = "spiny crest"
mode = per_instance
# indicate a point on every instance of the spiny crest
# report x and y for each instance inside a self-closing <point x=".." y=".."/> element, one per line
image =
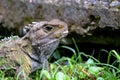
<point x="8" y="39"/>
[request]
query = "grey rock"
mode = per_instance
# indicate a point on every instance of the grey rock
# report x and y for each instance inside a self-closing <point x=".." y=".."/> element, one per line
<point x="83" y="16"/>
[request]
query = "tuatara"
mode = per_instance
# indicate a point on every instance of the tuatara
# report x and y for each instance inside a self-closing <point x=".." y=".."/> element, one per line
<point x="28" y="53"/>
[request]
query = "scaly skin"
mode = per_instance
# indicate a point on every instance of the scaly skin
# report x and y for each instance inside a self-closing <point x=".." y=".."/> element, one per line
<point x="28" y="53"/>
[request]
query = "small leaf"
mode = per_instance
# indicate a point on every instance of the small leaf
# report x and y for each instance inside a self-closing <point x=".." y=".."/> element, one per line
<point x="46" y="74"/>
<point x="61" y="76"/>
<point x="100" y="78"/>
<point x="93" y="70"/>
<point x="89" y="61"/>
<point x="82" y="75"/>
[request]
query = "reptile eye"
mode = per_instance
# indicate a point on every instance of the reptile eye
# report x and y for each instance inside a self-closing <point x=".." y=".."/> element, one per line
<point x="48" y="28"/>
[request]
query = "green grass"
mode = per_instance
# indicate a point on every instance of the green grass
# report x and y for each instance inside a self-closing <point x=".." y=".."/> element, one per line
<point x="75" y="68"/>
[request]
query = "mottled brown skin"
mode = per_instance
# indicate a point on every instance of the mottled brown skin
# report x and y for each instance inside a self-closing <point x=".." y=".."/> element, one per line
<point x="28" y="53"/>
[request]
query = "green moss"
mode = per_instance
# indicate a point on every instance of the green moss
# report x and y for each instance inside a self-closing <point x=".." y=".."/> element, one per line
<point x="118" y="7"/>
<point x="28" y="19"/>
<point x="97" y="17"/>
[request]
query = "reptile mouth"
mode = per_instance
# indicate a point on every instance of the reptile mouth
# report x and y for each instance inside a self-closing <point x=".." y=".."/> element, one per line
<point x="53" y="40"/>
<point x="64" y="34"/>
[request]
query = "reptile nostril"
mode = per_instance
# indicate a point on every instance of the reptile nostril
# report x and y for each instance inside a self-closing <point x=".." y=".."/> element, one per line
<point x="60" y="26"/>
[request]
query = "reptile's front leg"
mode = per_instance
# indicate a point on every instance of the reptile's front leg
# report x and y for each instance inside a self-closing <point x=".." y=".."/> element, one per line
<point x="23" y="72"/>
<point x="19" y="57"/>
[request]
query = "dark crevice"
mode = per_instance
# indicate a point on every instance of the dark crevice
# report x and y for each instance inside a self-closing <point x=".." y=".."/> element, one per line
<point x="5" y="32"/>
<point x="98" y="51"/>
<point x="108" y="31"/>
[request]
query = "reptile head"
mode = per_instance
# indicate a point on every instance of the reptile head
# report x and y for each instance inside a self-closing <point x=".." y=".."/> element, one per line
<point x="47" y="31"/>
<point x="45" y="36"/>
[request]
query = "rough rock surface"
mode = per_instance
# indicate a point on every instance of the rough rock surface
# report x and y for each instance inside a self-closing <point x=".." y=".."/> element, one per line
<point x="84" y="17"/>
